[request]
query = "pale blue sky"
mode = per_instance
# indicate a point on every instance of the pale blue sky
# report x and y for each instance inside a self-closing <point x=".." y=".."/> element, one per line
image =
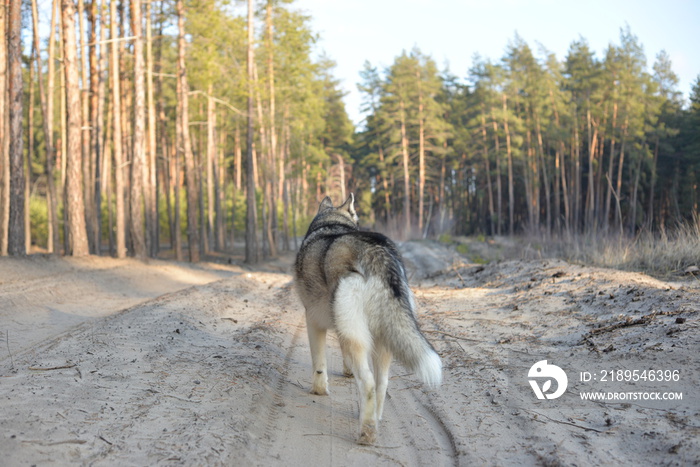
<point x="453" y="31"/>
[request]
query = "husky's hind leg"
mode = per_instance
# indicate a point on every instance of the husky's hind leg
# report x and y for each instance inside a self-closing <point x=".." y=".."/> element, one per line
<point x="317" y="343"/>
<point x="381" y="359"/>
<point x="356" y="343"/>
<point x="358" y="354"/>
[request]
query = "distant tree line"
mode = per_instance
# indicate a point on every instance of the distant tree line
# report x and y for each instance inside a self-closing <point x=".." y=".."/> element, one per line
<point x="586" y="144"/>
<point x="134" y="127"/>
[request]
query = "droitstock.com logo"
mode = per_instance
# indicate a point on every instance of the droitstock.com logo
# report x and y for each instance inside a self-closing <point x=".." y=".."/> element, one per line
<point x="547" y="372"/>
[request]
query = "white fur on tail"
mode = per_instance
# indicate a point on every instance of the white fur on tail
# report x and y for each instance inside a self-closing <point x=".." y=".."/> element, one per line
<point x="430" y="369"/>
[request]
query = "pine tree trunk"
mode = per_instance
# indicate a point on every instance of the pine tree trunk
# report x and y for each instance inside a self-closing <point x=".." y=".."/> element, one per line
<point x="151" y="189"/>
<point x="204" y="231"/>
<point x="599" y="177"/>
<point x="650" y="209"/>
<point x="177" y="158"/>
<point x="511" y="182"/>
<point x="406" y="178"/>
<point x="62" y="157"/>
<point x="237" y="181"/>
<point x="276" y="178"/>
<point x="48" y="137"/>
<point x="75" y="205"/>
<point x="557" y="173"/>
<point x="557" y="191"/>
<point x="528" y="182"/>
<point x="565" y="189"/>
<point x="296" y="187"/>
<point x="286" y="187"/>
<point x="261" y="155"/>
<point x="101" y="125"/>
<point x="620" y="165"/>
<point x="238" y="156"/>
<point x="166" y="155"/>
<point x="590" y="192"/>
<point x="266" y="175"/>
<point x="211" y="164"/>
<point x="86" y="129"/>
<point x="611" y="161"/>
<point x="190" y="176"/>
<point x="443" y="193"/>
<point x="138" y="166"/>
<point x="545" y="175"/>
<point x="487" y="168"/>
<point x="385" y="186"/>
<point x="16" y="227"/>
<point x="107" y="182"/>
<point x="284" y="180"/>
<point x="126" y="88"/>
<point x="576" y="180"/>
<point x="117" y="148"/>
<point x="220" y="194"/>
<point x="30" y="155"/>
<point x="251" y="242"/>
<point x="421" y="154"/>
<point x="54" y="233"/>
<point x="535" y="182"/>
<point x="499" y="183"/>
<point x="96" y="121"/>
<point x="62" y="119"/>
<point x="633" y="198"/>
<point x="4" y="120"/>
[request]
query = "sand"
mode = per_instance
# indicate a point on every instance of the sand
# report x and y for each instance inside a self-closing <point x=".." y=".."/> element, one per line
<point x="119" y="362"/>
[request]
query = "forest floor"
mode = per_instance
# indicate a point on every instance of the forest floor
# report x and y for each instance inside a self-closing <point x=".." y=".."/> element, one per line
<point x="119" y="362"/>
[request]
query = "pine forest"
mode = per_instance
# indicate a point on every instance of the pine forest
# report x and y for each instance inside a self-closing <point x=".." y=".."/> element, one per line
<point x="186" y="127"/>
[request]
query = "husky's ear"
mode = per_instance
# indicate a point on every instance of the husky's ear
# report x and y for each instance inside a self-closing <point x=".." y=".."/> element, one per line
<point x="327" y="203"/>
<point x="349" y="206"/>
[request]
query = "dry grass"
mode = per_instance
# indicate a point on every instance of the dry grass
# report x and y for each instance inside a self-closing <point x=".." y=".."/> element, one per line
<point x="664" y="253"/>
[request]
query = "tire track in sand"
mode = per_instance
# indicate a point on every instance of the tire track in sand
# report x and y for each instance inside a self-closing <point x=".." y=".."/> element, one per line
<point x="305" y="429"/>
<point x="422" y="427"/>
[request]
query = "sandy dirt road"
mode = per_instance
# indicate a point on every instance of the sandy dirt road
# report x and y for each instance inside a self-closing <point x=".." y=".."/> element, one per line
<point x="216" y="371"/>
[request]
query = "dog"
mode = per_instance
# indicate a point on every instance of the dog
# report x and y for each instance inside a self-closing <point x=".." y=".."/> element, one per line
<point x="354" y="282"/>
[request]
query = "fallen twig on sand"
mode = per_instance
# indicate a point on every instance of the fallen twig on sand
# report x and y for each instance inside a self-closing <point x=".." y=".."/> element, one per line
<point x="587" y="428"/>
<point x="629" y="321"/>
<point x="623" y="324"/>
<point x="194" y="401"/>
<point x="60" y="367"/>
<point x="54" y="443"/>
<point x="452" y="336"/>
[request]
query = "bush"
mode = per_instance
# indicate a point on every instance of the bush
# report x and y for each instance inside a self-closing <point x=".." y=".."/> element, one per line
<point x="39" y="221"/>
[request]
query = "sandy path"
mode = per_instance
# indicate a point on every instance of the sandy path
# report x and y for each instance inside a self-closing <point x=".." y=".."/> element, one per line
<point x="304" y="429"/>
<point x="218" y="374"/>
<point x="44" y="296"/>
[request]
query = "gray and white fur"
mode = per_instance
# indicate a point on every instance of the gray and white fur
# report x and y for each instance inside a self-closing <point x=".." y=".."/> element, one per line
<point x="354" y="282"/>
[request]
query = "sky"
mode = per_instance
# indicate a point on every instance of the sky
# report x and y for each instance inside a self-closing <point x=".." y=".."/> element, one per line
<point x="452" y="32"/>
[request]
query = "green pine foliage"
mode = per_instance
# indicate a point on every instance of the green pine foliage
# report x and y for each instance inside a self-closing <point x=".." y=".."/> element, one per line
<point x="585" y="144"/>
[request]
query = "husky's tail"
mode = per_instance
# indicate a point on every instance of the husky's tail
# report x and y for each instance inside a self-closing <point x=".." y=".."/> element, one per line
<point x="399" y="332"/>
<point x="390" y="308"/>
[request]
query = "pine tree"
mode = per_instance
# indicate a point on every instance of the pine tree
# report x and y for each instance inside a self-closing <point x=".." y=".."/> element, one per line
<point x="16" y="228"/>
<point x="117" y="141"/>
<point x="251" y="241"/>
<point x="186" y="148"/>
<point x="77" y="242"/>
<point x="138" y="161"/>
